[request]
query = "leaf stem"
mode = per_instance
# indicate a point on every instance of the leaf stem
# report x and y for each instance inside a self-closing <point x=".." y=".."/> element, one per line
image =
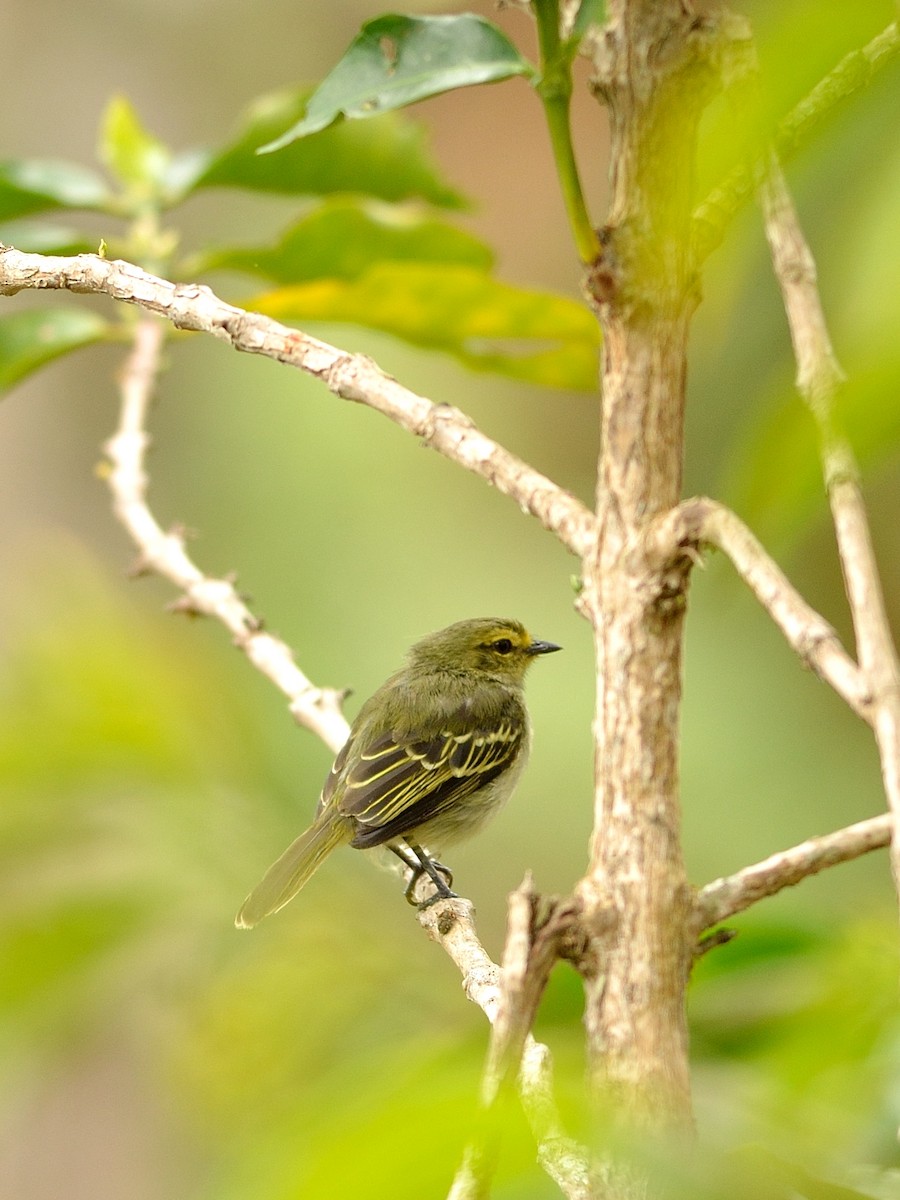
<point x="554" y="86"/>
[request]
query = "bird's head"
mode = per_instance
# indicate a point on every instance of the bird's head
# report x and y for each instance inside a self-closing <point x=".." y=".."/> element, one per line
<point x="488" y="645"/>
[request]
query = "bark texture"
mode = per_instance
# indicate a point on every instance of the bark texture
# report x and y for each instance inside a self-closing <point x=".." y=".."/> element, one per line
<point x="654" y="74"/>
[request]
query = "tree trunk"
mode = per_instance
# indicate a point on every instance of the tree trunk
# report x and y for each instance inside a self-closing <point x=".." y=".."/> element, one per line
<point x="654" y="73"/>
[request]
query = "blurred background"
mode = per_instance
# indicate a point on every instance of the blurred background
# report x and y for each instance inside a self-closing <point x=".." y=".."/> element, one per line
<point x="148" y="776"/>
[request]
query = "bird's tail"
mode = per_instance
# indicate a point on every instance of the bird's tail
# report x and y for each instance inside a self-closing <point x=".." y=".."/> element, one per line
<point x="286" y="877"/>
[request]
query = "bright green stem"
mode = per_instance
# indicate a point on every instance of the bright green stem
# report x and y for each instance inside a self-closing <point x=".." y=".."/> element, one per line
<point x="561" y="138"/>
<point x="555" y="90"/>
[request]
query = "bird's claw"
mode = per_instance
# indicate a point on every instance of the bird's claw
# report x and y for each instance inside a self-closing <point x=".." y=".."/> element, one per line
<point x="440" y="876"/>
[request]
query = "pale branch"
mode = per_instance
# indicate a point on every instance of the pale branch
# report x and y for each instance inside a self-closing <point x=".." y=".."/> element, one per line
<point x="700" y="521"/>
<point x="466" y="1183"/>
<point x="722" y="898"/>
<point x="561" y="1157"/>
<point x="528" y="958"/>
<point x="819" y="375"/>
<point x="451" y="924"/>
<point x="818" y="380"/>
<point x="317" y="709"/>
<point x="350" y="376"/>
<point x="538" y="932"/>
<point x="855" y="71"/>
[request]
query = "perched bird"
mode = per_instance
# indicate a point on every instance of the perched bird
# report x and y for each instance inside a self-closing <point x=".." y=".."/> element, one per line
<point x="432" y="755"/>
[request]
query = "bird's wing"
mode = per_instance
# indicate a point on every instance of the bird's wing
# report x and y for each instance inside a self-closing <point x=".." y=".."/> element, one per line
<point x="395" y="784"/>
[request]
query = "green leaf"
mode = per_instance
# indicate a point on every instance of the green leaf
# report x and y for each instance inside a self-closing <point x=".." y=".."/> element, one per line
<point x="135" y="157"/>
<point x="387" y="158"/>
<point x="490" y="326"/>
<point x="30" y="339"/>
<point x="398" y="60"/>
<point x="40" y="237"/>
<point x="342" y="239"/>
<point x="39" y="185"/>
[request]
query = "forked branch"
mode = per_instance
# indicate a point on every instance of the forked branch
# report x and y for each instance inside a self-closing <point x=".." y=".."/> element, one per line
<point x="818" y="380"/>
<point x="701" y="521"/>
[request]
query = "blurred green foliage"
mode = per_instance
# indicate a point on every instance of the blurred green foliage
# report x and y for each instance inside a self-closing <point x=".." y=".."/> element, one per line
<point x="382" y="266"/>
<point x="29" y="340"/>
<point x="146" y="1048"/>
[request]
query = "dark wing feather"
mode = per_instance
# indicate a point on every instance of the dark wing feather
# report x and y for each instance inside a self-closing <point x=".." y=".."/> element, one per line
<point x="397" y="784"/>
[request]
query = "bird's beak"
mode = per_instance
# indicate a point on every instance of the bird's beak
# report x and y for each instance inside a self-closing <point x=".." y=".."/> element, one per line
<point x="542" y="648"/>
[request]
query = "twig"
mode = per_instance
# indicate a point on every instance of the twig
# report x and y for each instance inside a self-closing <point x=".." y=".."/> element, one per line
<point x="818" y="380"/>
<point x="854" y="72"/>
<point x="723" y="898"/>
<point x="508" y="998"/>
<point x="700" y="520"/>
<point x="351" y="376"/>
<point x="317" y="709"/>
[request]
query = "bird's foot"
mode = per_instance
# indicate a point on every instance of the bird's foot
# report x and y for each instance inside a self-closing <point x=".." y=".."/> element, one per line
<point x="440" y="876"/>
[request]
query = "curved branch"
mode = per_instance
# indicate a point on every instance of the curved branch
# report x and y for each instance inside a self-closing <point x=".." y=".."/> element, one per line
<point x="317" y="709"/>
<point x="701" y="520"/>
<point x="723" y="898"/>
<point x="819" y="377"/>
<point x="351" y="376"/>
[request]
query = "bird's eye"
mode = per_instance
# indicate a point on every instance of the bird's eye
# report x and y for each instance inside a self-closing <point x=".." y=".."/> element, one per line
<point x="502" y="646"/>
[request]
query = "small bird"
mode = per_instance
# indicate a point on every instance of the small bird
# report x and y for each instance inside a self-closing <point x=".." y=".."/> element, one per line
<point x="434" y="753"/>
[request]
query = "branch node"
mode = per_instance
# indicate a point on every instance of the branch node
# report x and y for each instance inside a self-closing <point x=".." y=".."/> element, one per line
<point x="186" y="606"/>
<point x="718" y="937"/>
<point x="182" y="534"/>
<point x="139" y="567"/>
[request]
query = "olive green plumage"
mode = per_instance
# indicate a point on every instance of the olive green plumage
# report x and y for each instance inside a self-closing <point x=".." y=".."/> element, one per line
<point x="431" y="755"/>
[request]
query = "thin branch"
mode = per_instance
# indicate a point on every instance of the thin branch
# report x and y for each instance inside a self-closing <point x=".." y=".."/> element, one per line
<point x="501" y="994"/>
<point x="819" y="375"/>
<point x="723" y="898"/>
<point x="698" y="521"/>
<point x="855" y="71"/>
<point x="317" y="709"/>
<point x="533" y="943"/>
<point x="351" y="376"/>
<point x="538" y="930"/>
<point x="702" y="521"/>
<point x="818" y="379"/>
